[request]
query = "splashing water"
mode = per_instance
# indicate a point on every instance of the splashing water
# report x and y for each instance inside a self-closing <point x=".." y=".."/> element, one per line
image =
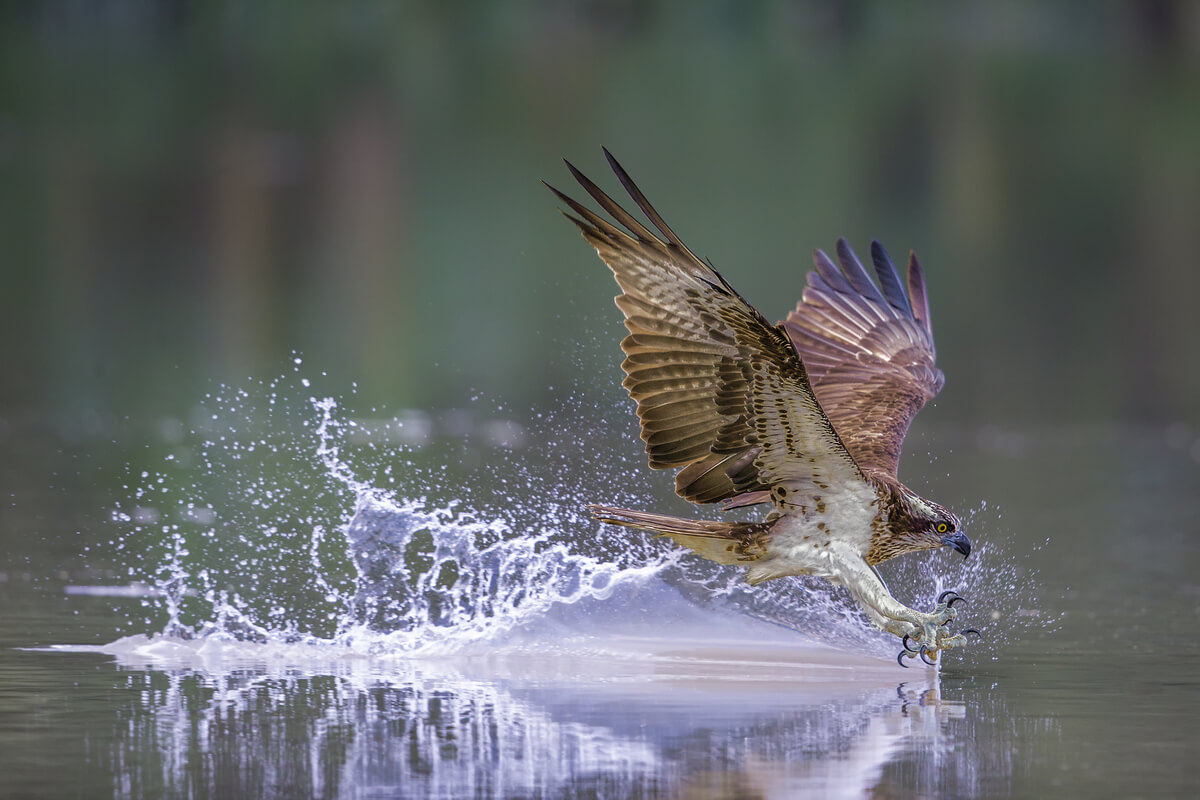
<point x="284" y="519"/>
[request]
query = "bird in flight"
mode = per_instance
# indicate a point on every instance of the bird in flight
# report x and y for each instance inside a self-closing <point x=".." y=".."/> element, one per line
<point x="808" y="415"/>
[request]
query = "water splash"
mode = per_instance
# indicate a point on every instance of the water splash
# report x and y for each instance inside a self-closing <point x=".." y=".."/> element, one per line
<point x="283" y="517"/>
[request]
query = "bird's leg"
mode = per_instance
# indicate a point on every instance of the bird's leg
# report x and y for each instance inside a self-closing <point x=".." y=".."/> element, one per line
<point x="910" y="635"/>
<point x="898" y="628"/>
<point x="926" y="631"/>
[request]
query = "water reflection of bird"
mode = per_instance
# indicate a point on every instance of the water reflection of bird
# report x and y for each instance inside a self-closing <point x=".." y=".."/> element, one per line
<point x="808" y="415"/>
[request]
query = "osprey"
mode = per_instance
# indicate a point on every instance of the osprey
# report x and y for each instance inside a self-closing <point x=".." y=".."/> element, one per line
<point x="808" y="415"/>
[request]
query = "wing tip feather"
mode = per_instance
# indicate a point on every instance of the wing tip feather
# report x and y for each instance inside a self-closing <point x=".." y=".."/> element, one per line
<point x="889" y="279"/>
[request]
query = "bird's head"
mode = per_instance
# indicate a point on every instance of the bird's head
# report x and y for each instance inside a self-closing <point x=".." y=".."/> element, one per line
<point x="931" y="525"/>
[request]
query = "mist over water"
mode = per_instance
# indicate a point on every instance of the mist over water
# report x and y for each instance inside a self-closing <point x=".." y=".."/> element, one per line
<point x="285" y="518"/>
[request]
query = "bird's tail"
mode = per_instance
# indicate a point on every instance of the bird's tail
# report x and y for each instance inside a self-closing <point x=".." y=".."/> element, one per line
<point x="723" y="542"/>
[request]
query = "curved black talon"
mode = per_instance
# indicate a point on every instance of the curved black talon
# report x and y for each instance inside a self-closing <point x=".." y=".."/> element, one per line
<point x="945" y="594"/>
<point x="926" y="660"/>
<point x="909" y="649"/>
<point x="900" y="658"/>
<point x="955" y="599"/>
<point x="972" y="630"/>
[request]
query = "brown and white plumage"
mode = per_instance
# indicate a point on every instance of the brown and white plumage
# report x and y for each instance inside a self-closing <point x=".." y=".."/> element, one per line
<point x="809" y="414"/>
<point x="869" y="354"/>
<point x="720" y="391"/>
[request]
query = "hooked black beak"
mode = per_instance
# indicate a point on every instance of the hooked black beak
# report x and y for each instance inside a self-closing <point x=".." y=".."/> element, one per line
<point x="959" y="541"/>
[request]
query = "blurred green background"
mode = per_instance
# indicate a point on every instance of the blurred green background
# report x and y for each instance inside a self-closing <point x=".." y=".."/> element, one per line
<point x="191" y="191"/>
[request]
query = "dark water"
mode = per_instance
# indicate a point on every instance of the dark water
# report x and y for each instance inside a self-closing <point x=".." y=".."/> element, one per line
<point x="583" y="672"/>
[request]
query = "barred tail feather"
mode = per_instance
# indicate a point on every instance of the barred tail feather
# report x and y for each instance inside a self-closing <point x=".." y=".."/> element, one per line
<point x="722" y="542"/>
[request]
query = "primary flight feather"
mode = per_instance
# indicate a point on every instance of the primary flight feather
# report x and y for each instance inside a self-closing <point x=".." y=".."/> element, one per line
<point x="808" y="415"/>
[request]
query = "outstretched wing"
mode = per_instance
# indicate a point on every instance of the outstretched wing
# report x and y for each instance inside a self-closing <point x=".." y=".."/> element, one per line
<point x="720" y="391"/>
<point x="869" y="354"/>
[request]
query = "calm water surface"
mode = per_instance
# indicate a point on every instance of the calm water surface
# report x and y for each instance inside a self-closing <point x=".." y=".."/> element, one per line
<point x="640" y="684"/>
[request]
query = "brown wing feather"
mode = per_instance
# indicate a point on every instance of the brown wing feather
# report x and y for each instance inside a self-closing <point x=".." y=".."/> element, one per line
<point x="721" y="392"/>
<point x="869" y="354"/>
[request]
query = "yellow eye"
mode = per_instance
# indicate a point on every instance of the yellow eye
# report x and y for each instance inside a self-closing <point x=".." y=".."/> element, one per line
<point x="942" y="527"/>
